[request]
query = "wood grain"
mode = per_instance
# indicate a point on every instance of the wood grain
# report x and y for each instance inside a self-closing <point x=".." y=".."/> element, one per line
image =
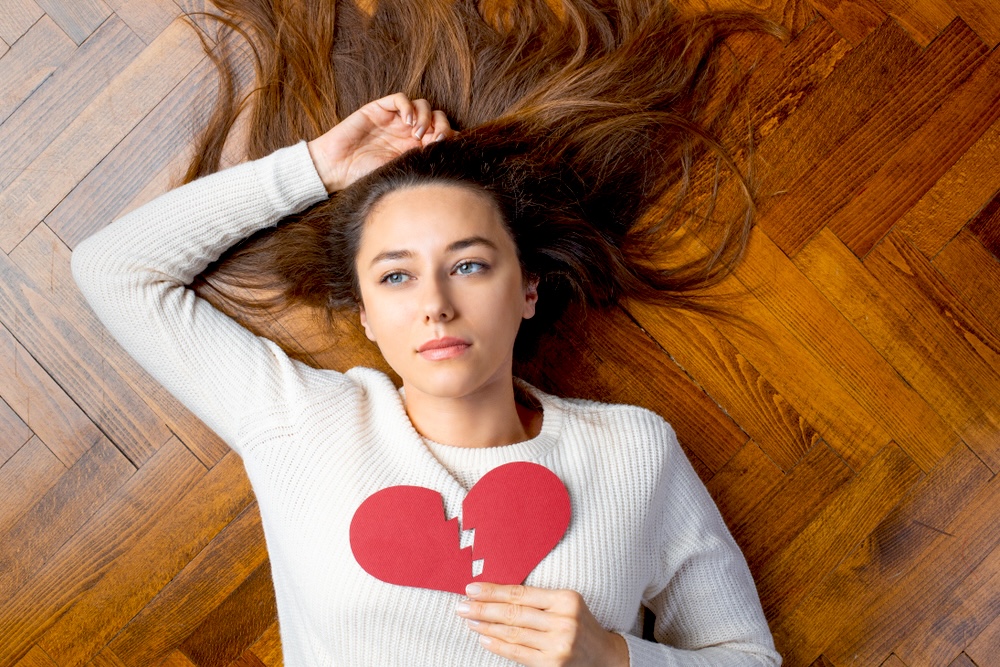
<point x="844" y="416"/>
<point x="98" y="128"/>
<point x="956" y="197"/>
<point x="35" y="57"/>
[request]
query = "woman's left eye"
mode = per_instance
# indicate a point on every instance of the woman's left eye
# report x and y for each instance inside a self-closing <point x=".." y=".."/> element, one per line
<point x="465" y="268"/>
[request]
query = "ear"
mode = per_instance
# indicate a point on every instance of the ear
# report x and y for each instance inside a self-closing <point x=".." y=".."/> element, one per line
<point x="530" y="298"/>
<point x="364" y="322"/>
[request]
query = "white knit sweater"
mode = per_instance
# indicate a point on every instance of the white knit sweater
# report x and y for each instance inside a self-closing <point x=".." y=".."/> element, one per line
<point x="316" y="443"/>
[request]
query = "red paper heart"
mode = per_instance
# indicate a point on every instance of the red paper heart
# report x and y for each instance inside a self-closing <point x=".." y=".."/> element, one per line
<point x="519" y="511"/>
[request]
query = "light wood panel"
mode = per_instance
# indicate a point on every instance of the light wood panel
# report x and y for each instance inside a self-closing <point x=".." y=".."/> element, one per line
<point x="847" y="421"/>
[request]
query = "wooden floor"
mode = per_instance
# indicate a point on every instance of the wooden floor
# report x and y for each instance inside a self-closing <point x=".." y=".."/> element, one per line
<point x="849" y="431"/>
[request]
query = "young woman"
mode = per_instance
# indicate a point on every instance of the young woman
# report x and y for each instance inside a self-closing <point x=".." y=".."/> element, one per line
<point x="446" y="243"/>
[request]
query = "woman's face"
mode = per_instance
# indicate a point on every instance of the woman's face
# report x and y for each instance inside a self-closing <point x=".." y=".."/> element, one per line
<point x="442" y="289"/>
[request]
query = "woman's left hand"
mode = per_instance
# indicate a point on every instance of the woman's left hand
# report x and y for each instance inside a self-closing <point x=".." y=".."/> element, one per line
<point x="539" y="627"/>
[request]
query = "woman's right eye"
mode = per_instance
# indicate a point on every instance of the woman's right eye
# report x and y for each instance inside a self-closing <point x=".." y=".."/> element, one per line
<point x="394" y="278"/>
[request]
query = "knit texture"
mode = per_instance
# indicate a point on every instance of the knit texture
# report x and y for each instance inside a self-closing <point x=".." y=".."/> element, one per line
<point x="316" y="443"/>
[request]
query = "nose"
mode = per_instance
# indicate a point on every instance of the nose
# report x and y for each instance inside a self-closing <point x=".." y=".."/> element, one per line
<point x="437" y="303"/>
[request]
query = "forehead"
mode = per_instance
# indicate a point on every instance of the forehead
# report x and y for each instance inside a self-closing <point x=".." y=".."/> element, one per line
<point x="422" y="214"/>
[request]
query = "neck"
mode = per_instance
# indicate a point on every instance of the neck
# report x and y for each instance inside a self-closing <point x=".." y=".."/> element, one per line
<point x="491" y="417"/>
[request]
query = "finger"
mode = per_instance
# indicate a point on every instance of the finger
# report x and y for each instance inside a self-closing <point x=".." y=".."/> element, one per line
<point x="539" y="598"/>
<point x="401" y="104"/>
<point x="424" y="117"/>
<point x="506" y="614"/>
<point x="512" y="634"/>
<point x="440" y="128"/>
<point x="523" y="655"/>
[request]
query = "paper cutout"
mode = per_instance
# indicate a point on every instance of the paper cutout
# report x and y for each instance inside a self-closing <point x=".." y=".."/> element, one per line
<point x="519" y="511"/>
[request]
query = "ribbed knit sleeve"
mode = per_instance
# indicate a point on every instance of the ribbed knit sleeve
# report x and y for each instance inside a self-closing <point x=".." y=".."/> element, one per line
<point x="708" y="612"/>
<point x="135" y="273"/>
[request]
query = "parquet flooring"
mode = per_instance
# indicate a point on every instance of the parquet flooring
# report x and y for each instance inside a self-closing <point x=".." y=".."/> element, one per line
<point x="848" y="427"/>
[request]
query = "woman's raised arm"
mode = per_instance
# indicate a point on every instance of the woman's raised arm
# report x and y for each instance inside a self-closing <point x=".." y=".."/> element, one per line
<point x="135" y="272"/>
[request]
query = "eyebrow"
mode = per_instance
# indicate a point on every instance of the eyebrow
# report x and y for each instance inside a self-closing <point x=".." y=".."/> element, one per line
<point x="461" y="244"/>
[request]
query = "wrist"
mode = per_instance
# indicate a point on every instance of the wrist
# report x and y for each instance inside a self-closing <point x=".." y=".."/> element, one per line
<point x="324" y="167"/>
<point x="619" y="650"/>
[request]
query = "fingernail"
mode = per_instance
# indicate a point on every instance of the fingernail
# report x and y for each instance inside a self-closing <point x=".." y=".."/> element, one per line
<point x="462" y="608"/>
<point x="409" y="119"/>
<point x="472" y="623"/>
<point x="473" y="589"/>
<point x="484" y="640"/>
<point x="439" y="137"/>
<point x="420" y="133"/>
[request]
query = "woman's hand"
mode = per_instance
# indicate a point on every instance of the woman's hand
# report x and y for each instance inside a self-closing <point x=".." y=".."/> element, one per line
<point x="538" y="627"/>
<point x="374" y="134"/>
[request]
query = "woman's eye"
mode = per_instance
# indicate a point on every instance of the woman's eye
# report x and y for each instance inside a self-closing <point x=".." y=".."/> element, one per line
<point x="394" y="278"/>
<point x="465" y="268"/>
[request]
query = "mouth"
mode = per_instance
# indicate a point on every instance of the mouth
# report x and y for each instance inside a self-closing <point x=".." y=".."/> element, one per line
<point x="442" y="348"/>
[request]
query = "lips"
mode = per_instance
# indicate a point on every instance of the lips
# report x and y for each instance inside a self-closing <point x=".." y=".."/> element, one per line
<point x="442" y="348"/>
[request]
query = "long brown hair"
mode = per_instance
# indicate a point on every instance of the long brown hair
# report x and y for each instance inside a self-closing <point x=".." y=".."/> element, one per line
<point x="584" y="125"/>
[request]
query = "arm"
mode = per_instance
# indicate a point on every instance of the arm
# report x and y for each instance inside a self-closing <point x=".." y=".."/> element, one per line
<point x="707" y="608"/>
<point x="135" y="272"/>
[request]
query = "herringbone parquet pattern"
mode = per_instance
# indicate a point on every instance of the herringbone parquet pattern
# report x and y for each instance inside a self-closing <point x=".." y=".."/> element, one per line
<point x="849" y="428"/>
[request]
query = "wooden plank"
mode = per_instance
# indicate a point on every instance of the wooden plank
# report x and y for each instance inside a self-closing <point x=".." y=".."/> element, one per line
<point x="770" y="276"/>
<point x="140" y="572"/>
<point x="832" y="181"/>
<point x="34" y="58"/>
<point x="77" y="367"/>
<point x="975" y="274"/>
<point x="956" y="197"/>
<point x="854" y="19"/>
<point x="924" y="20"/>
<point x="54" y="105"/>
<point x="42" y="404"/>
<point x="961" y="614"/>
<point x="236" y="623"/>
<point x="268" y="647"/>
<point x="96" y="130"/>
<point x="177" y="659"/>
<point x="4" y="48"/>
<point x="92" y="553"/>
<point x="733" y="382"/>
<point x="782" y="513"/>
<point x="742" y="482"/>
<point x="962" y="660"/>
<point x="78" y="18"/>
<point x="831" y="114"/>
<point x="17" y="17"/>
<point x="982" y="16"/>
<point x="106" y="658"/>
<point x="13" y="432"/>
<point x="893" y="661"/>
<point x="59" y="514"/>
<point x="126" y="170"/>
<point x="597" y="358"/>
<point x="25" y="478"/>
<point x="898" y="547"/>
<point x="952" y="557"/>
<point x="36" y="658"/>
<point x="983" y="648"/>
<point x="247" y="659"/>
<point x="146" y="18"/>
<point x="986" y="226"/>
<point x="845" y="521"/>
<point x="919" y="351"/>
<point x="45" y="260"/>
<point x="184" y="604"/>
<point x="964" y="351"/>
<point x="921" y="160"/>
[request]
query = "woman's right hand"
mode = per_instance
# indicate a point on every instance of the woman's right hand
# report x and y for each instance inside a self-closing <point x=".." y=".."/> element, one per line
<point x="373" y="135"/>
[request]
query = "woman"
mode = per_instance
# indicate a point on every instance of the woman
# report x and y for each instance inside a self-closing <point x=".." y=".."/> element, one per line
<point x="446" y="243"/>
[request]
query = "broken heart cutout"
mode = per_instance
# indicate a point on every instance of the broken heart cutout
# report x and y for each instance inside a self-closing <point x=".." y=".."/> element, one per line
<point x="519" y="512"/>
